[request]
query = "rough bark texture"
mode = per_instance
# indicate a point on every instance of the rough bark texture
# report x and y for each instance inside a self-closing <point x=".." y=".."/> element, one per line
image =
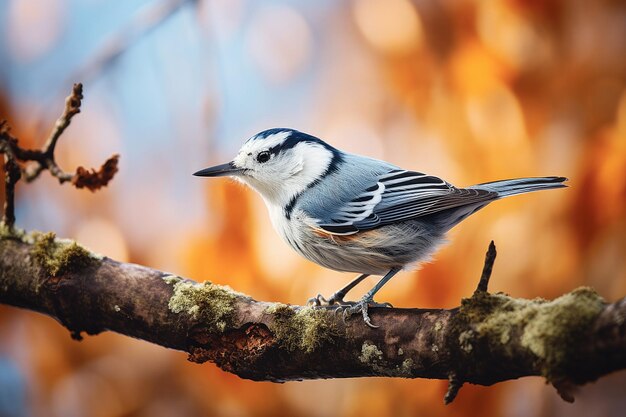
<point x="489" y="338"/>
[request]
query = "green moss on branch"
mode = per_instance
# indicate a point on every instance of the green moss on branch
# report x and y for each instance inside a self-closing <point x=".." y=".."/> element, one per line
<point x="558" y="326"/>
<point x="211" y="305"/>
<point x="301" y="328"/>
<point x="59" y="256"/>
<point x="549" y="329"/>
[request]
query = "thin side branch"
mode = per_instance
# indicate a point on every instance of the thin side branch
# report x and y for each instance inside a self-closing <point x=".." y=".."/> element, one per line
<point x="490" y="258"/>
<point x="72" y="108"/>
<point x="12" y="175"/>
<point x="41" y="160"/>
<point x="489" y="338"/>
<point x="454" y="386"/>
<point x="45" y="160"/>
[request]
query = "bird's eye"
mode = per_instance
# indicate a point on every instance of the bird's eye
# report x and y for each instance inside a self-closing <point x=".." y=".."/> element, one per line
<point x="263" y="156"/>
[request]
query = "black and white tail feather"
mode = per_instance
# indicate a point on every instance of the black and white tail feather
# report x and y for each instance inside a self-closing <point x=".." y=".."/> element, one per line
<point x="506" y="188"/>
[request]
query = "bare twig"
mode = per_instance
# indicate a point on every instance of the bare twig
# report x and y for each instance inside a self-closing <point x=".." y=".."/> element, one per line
<point x="490" y="258"/>
<point x="44" y="159"/>
<point x="72" y="108"/>
<point x="12" y="175"/>
<point x="454" y="386"/>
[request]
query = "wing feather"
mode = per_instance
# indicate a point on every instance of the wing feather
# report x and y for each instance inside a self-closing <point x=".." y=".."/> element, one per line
<point x="397" y="196"/>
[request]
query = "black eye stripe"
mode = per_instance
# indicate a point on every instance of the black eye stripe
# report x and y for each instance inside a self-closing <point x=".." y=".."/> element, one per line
<point x="274" y="149"/>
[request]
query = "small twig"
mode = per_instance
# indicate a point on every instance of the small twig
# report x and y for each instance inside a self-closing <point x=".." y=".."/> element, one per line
<point x="44" y="159"/>
<point x="57" y="172"/>
<point x="12" y="176"/>
<point x="566" y="389"/>
<point x="490" y="258"/>
<point x="454" y="385"/>
<point x="72" y="108"/>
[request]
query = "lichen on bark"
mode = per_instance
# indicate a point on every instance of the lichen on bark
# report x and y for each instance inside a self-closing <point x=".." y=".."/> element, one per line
<point x="549" y="330"/>
<point x="372" y="356"/>
<point x="212" y="305"/>
<point x="301" y="328"/>
<point x="557" y="327"/>
<point x="59" y="256"/>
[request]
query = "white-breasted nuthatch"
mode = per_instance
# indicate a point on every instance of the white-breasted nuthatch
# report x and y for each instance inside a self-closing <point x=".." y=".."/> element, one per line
<point x="356" y="214"/>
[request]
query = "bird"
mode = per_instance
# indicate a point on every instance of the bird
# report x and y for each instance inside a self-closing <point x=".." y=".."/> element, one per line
<point x="352" y="213"/>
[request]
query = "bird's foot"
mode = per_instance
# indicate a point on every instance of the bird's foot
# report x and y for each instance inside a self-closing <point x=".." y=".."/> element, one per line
<point x="362" y="307"/>
<point x="335" y="300"/>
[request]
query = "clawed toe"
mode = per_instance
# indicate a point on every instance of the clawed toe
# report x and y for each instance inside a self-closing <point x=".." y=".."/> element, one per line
<point x="363" y="308"/>
<point x="360" y="307"/>
<point x="381" y="305"/>
<point x="347" y="308"/>
<point x="317" y="301"/>
<point x="335" y="300"/>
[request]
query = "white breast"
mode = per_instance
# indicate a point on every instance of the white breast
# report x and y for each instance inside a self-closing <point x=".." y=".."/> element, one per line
<point x="285" y="227"/>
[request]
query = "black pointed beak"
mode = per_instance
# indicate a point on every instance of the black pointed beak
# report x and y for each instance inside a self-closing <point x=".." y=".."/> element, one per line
<point x="219" y="170"/>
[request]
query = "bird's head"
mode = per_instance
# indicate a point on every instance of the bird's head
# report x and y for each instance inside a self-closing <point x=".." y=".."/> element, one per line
<point x="279" y="163"/>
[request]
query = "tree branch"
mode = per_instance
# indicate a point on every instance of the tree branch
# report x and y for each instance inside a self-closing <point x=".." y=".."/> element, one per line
<point x="490" y="338"/>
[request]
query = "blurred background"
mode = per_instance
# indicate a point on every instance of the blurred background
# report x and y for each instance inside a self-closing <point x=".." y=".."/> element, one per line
<point x="468" y="90"/>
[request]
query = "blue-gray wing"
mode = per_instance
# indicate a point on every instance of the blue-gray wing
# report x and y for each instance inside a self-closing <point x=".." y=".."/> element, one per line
<point x="400" y="195"/>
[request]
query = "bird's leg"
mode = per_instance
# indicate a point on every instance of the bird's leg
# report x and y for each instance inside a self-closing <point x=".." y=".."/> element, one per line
<point x="337" y="297"/>
<point x="368" y="300"/>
